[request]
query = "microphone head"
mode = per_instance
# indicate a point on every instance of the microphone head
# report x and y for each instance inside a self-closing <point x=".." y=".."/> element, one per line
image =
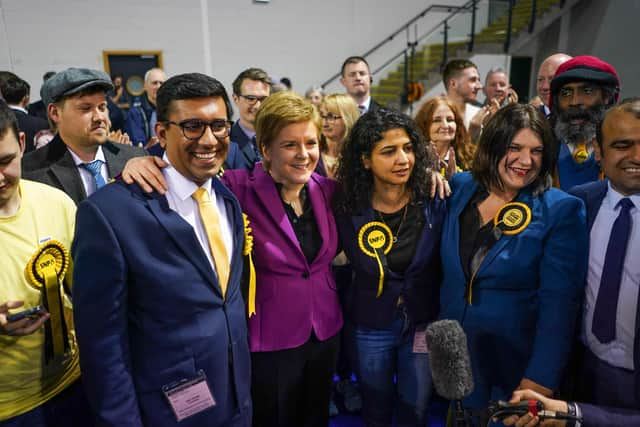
<point x="449" y="358"/>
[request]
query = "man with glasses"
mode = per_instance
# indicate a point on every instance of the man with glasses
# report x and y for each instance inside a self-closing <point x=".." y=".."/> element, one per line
<point x="157" y="291"/>
<point x="250" y="88"/>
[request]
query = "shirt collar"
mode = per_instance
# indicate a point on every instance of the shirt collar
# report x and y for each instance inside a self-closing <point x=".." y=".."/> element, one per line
<point x="18" y="108"/>
<point x="179" y="185"/>
<point x="612" y="198"/>
<point x="250" y="133"/>
<point x="78" y="161"/>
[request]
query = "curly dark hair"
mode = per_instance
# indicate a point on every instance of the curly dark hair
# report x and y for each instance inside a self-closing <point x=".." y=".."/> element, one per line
<point x="356" y="182"/>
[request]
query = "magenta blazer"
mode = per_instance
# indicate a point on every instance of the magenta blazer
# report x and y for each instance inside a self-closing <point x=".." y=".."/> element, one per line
<point x="293" y="297"/>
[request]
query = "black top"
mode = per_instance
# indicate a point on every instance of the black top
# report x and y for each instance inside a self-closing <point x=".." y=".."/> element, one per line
<point x="304" y="225"/>
<point x="406" y="228"/>
<point x="474" y="235"/>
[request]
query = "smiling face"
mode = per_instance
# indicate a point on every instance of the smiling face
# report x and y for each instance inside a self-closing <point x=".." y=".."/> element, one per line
<point x="443" y="127"/>
<point x="195" y="160"/>
<point x="82" y="120"/>
<point x="248" y="108"/>
<point x="619" y="154"/>
<point x="293" y="154"/>
<point x="392" y="159"/>
<point x="521" y="164"/>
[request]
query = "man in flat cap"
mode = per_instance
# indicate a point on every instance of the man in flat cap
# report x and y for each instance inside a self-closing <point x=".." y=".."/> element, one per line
<point x="80" y="159"/>
<point x="582" y="88"/>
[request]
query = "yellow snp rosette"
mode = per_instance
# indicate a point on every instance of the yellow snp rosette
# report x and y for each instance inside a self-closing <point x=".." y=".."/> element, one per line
<point x="45" y="272"/>
<point x="248" y="249"/>
<point x="512" y="218"/>
<point x="375" y="240"/>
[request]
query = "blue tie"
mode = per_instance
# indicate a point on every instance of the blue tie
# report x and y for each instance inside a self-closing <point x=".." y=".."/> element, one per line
<point x="604" y="315"/>
<point x="94" y="168"/>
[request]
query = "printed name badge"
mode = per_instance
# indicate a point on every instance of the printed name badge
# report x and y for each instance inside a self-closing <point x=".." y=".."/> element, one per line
<point x="420" y="342"/>
<point x="188" y="397"/>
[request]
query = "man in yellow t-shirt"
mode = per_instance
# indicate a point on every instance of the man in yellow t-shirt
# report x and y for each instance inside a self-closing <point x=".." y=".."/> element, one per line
<point x="39" y="385"/>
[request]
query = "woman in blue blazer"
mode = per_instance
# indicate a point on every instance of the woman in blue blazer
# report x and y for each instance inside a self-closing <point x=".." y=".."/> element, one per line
<point x="390" y="229"/>
<point x="514" y="255"/>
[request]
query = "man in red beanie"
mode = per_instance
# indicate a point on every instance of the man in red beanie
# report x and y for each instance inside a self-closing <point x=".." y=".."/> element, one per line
<point x="581" y="90"/>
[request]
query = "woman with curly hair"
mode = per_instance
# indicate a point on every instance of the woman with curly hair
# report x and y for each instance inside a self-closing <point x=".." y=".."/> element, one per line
<point x="443" y="126"/>
<point x="389" y="227"/>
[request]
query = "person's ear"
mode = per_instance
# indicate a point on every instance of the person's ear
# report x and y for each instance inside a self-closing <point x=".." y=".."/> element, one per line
<point x="597" y="151"/>
<point x="21" y="141"/>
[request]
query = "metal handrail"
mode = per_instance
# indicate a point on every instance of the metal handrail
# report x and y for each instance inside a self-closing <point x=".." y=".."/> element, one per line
<point x="448" y="8"/>
<point x="507" y="41"/>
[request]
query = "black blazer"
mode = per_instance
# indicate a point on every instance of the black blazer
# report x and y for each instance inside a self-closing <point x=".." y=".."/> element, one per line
<point x="419" y="283"/>
<point x="53" y="165"/>
<point x="30" y="125"/>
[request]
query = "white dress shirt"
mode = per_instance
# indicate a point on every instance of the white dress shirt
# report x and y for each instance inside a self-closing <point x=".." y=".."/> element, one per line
<point x="180" y="200"/>
<point x="618" y="352"/>
<point x="88" y="181"/>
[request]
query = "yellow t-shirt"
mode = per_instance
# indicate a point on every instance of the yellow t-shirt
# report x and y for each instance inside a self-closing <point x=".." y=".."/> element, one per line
<point x="45" y="213"/>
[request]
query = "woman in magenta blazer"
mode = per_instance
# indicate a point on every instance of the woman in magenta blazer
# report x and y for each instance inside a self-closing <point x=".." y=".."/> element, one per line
<point x="293" y="335"/>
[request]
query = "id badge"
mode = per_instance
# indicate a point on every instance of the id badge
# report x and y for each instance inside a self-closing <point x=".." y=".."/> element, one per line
<point x="188" y="397"/>
<point x="420" y="342"/>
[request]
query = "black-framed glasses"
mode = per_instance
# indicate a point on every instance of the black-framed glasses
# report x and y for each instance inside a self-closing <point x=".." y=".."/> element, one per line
<point x="193" y="129"/>
<point x="252" y="99"/>
<point x="330" y="118"/>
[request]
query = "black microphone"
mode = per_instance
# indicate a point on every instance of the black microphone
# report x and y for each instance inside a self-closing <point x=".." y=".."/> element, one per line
<point x="450" y="364"/>
<point x="449" y="359"/>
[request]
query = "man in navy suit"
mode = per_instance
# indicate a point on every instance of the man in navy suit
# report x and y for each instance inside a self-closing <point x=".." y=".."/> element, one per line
<point x="609" y="376"/>
<point x="157" y="291"/>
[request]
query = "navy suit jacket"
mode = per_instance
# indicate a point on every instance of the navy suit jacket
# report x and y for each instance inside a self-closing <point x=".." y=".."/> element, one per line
<point x="242" y="154"/>
<point x="525" y="295"/>
<point x="593" y="194"/>
<point x="149" y="311"/>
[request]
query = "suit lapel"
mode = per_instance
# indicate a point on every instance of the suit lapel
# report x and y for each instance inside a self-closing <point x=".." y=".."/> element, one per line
<point x="466" y="193"/>
<point x="115" y="162"/>
<point x="65" y="171"/>
<point x="504" y="240"/>
<point x="184" y="237"/>
<point x="267" y="192"/>
<point x="593" y="201"/>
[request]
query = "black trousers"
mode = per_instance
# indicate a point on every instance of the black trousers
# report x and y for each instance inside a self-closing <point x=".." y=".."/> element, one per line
<point x="291" y="388"/>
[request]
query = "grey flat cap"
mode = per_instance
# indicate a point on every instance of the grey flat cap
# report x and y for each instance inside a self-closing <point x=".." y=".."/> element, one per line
<point x="73" y="80"/>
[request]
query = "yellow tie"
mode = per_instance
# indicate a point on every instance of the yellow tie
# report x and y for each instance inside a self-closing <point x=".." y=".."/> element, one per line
<point x="211" y="224"/>
<point x="580" y="153"/>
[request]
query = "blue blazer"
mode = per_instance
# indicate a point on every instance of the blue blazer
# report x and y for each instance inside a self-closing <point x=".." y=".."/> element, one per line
<point x="525" y="293"/>
<point x="593" y="194"/>
<point x="242" y="154"/>
<point x="418" y="284"/>
<point x="149" y="311"/>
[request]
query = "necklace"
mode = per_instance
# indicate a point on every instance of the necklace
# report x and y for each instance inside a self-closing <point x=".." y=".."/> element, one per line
<point x="404" y="215"/>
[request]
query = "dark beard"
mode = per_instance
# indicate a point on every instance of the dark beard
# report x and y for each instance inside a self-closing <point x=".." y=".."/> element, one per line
<point x="578" y="133"/>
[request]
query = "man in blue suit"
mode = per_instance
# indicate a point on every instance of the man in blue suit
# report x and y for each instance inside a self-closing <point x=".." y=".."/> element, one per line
<point x="157" y="291"/>
<point x="609" y="371"/>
